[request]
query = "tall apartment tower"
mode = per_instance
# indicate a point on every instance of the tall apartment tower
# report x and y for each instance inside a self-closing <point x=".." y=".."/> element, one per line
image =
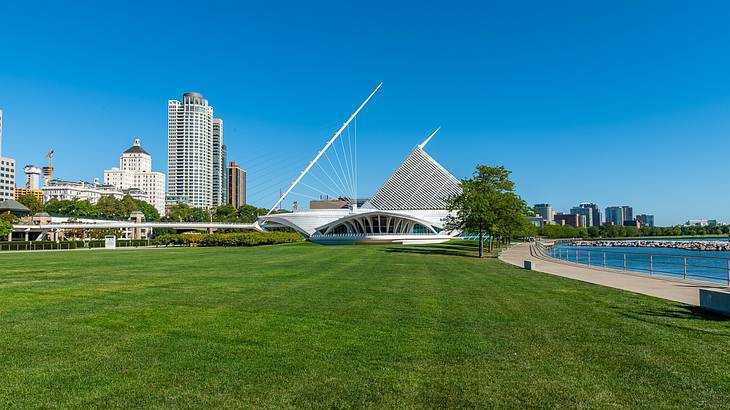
<point x="7" y="170"/>
<point x="190" y="150"/>
<point x="219" y="163"/>
<point x="236" y="181"/>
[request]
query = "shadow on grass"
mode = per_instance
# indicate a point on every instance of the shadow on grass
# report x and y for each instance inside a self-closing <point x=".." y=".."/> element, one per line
<point x="686" y="314"/>
<point x="468" y="249"/>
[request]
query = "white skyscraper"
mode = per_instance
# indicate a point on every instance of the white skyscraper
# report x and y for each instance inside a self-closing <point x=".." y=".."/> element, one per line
<point x="135" y="172"/>
<point x="7" y="170"/>
<point x="190" y="150"/>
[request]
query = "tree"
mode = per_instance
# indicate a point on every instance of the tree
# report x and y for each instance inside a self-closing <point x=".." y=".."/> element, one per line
<point x="150" y="212"/>
<point x="5" y="229"/>
<point x="110" y="207"/>
<point x="32" y="202"/>
<point x="74" y="207"/>
<point x="487" y="204"/>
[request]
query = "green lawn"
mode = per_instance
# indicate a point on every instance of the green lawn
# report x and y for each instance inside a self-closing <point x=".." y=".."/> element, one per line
<point x="367" y="326"/>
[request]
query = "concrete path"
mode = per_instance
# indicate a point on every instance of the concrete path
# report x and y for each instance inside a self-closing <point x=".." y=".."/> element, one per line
<point x="676" y="290"/>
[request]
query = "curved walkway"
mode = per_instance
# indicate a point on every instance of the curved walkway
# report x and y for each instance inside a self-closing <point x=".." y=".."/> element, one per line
<point x="676" y="290"/>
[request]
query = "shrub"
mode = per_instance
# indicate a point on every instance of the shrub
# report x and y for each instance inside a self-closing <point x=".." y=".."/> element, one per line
<point x="227" y="239"/>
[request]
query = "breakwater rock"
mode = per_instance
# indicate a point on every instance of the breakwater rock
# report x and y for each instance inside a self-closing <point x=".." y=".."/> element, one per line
<point x="686" y="245"/>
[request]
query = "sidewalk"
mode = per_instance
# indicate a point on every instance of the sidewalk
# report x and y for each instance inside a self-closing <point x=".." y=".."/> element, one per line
<point x="679" y="291"/>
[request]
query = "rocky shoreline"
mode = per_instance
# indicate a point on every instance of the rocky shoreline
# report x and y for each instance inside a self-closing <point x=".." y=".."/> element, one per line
<point x="685" y="245"/>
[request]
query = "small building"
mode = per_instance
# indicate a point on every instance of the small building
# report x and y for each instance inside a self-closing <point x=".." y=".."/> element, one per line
<point x="326" y="203"/>
<point x="11" y="206"/>
<point x="35" y="192"/>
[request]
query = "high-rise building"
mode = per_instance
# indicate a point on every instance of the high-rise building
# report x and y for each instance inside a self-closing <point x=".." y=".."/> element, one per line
<point x="236" y="189"/>
<point x="546" y="212"/>
<point x="645" y="220"/>
<point x="219" y="164"/>
<point x="135" y="173"/>
<point x="32" y="177"/>
<point x="628" y="214"/>
<point x="620" y="215"/>
<point x="225" y="174"/>
<point x="190" y="150"/>
<point x="7" y="170"/>
<point x="590" y="211"/>
<point x="567" y="219"/>
<point x="32" y="183"/>
<point x="614" y="215"/>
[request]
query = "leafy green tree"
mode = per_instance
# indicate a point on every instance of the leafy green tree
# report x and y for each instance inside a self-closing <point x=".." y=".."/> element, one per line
<point x="184" y="213"/>
<point x="249" y="213"/>
<point x="8" y="217"/>
<point x="5" y="229"/>
<point x="226" y="213"/>
<point x="32" y="202"/>
<point x="76" y="208"/>
<point x="487" y="204"/>
<point x="110" y="207"/>
<point x="150" y="212"/>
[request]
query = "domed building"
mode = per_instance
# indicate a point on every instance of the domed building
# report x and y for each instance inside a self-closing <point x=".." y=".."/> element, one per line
<point x="135" y="172"/>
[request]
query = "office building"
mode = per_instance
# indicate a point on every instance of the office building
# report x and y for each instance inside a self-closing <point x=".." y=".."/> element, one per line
<point x="546" y="212"/>
<point x="620" y="215"/>
<point x="236" y="180"/>
<point x="646" y="220"/>
<point x="590" y="211"/>
<point x="190" y="156"/>
<point x="567" y="219"/>
<point x="628" y="214"/>
<point x="7" y="170"/>
<point x="614" y="215"/>
<point x="135" y="172"/>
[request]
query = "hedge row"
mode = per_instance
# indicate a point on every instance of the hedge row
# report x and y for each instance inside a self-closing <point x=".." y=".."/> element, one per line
<point x="45" y="245"/>
<point x="227" y="239"/>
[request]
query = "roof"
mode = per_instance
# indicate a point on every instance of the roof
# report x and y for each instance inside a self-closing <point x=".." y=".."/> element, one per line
<point x="136" y="149"/>
<point x="419" y="183"/>
<point x="13" y="206"/>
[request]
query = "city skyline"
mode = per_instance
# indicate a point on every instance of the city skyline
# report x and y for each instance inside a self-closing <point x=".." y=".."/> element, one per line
<point x="502" y="93"/>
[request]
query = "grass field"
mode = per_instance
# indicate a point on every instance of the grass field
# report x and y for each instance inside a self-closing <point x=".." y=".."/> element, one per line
<point x="309" y="326"/>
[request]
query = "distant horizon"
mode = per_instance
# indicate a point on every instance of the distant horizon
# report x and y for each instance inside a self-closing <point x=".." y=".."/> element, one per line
<point x="621" y="104"/>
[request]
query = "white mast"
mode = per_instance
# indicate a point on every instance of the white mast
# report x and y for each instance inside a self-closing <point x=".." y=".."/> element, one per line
<point x="314" y="161"/>
<point x="423" y="144"/>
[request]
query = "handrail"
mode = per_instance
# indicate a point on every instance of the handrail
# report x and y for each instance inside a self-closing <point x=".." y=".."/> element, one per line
<point x="653" y="263"/>
<point x="587" y="248"/>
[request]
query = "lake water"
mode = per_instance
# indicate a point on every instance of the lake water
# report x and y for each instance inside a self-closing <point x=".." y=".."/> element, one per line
<point x="707" y="266"/>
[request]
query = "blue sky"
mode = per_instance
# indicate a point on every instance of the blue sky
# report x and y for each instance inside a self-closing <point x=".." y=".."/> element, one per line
<point x="616" y="103"/>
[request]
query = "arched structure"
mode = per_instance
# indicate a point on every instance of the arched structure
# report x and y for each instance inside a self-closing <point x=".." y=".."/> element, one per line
<point x="378" y="222"/>
<point x="411" y="207"/>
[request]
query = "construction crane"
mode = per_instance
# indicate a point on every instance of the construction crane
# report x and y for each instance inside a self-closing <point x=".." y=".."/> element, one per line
<point x="48" y="171"/>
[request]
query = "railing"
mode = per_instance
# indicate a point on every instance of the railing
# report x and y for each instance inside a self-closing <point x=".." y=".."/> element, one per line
<point x="701" y="268"/>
